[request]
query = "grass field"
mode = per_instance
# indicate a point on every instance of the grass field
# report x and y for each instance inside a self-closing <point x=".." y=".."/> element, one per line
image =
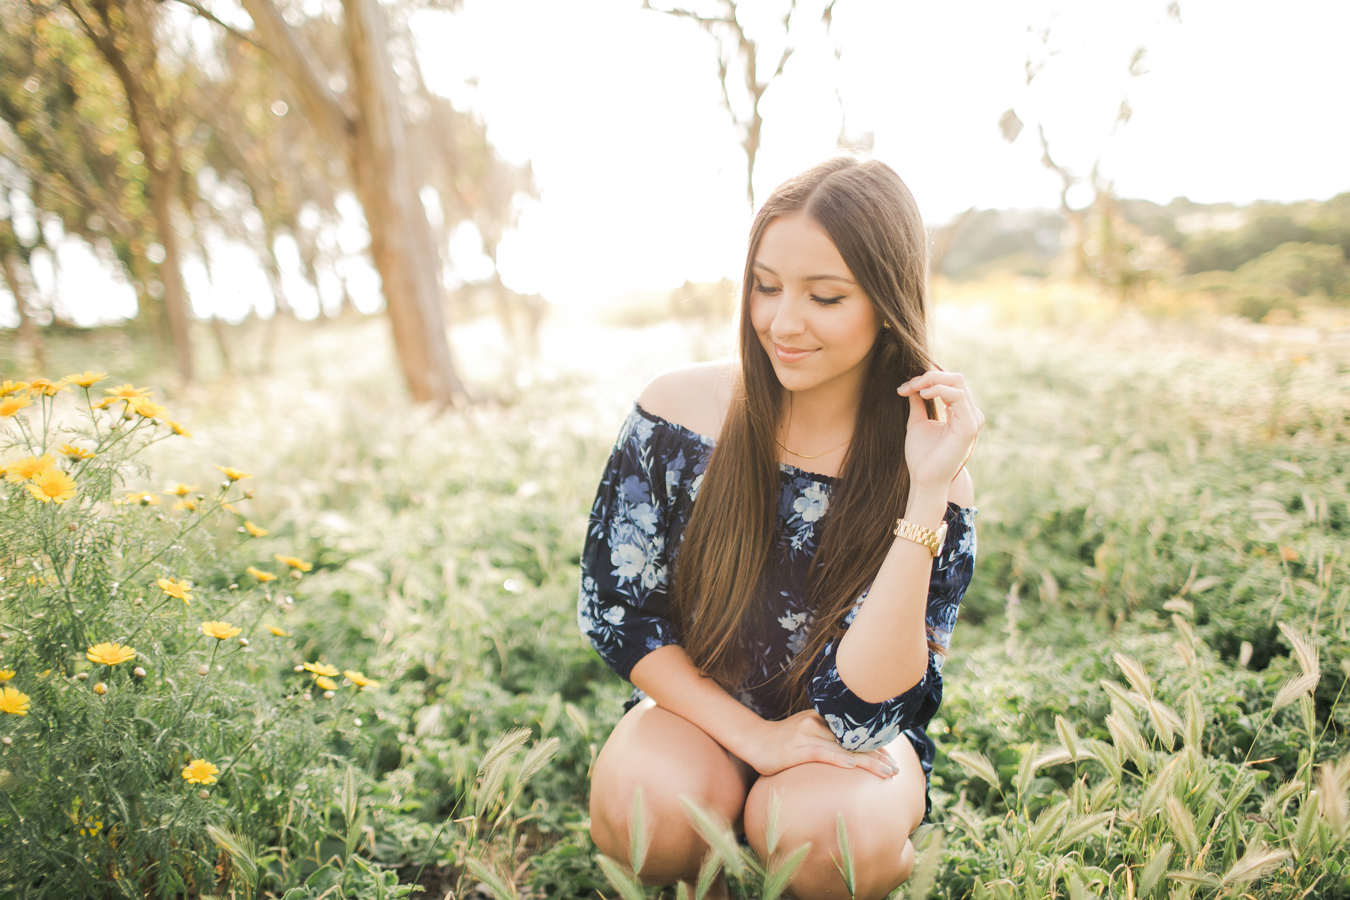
<point x="1144" y="697"/>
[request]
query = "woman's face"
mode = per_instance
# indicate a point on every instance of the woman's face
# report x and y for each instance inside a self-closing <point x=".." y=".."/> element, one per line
<point x="812" y="319"/>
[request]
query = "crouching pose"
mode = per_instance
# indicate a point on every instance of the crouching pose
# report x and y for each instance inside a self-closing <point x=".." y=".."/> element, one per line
<point x="778" y="549"/>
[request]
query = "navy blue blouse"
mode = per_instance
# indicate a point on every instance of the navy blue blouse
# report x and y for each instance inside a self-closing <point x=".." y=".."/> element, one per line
<point x="640" y="512"/>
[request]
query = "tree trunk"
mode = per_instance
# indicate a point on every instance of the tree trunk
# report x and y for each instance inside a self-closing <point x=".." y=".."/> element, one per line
<point x="28" y="332"/>
<point x="400" y="237"/>
<point x="170" y="275"/>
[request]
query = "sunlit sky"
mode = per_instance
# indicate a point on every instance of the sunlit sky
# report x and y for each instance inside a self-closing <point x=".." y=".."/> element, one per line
<point x="641" y="175"/>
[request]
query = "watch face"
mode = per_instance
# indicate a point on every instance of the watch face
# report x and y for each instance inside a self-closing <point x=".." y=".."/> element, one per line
<point x="941" y="536"/>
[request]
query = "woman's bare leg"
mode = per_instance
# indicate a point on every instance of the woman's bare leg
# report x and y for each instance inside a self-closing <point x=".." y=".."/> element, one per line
<point x="879" y="814"/>
<point x="669" y="758"/>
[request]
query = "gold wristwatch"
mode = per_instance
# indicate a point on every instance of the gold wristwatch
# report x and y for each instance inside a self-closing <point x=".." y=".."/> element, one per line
<point x="921" y="535"/>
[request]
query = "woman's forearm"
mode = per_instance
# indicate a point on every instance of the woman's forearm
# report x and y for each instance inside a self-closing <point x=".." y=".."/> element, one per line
<point x="885" y="651"/>
<point x="669" y="677"/>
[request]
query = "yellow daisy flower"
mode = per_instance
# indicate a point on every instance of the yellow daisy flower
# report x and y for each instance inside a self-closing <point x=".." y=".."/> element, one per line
<point x="144" y="406"/>
<point x="110" y="654"/>
<point x="127" y="392"/>
<point x="144" y="498"/>
<point x="181" y="490"/>
<point x="359" y="679"/>
<point x="255" y="530"/>
<point x="199" y="771"/>
<point x="293" y="562"/>
<point x="234" y="474"/>
<point x="229" y="507"/>
<point x="326" y="683"/>
<point x="260" y="574"/>
<point x="177" y="429"/>
<point x="87" y="379"/>
<point x="6" y="675"/>
<point x="52" y="486"/>
<point x="26" y="468"/>
<point x="91" y="827"/>
<point x="10" y="405"/>
<point x="47" y="387"/>
<point x="174" y="588"/>
<point x="221" y="631"/>
<point x="278" y="631"/>
<point x="321" y="669"/>
<point x="13" y="387"/>
<point x="188" y="505"/>
<point x="70" y="451"/>
<point x="13" y="701"/>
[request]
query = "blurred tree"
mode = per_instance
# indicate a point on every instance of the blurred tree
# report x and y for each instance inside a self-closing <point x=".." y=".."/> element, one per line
<point x="739" y="58"/>
<point x="367" y="126"/>
<point x="1299" y="270"/>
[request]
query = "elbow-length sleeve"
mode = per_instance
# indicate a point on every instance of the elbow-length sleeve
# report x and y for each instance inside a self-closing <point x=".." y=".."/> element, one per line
<point x="623" y="606"/>
<point x="861" y="726"/>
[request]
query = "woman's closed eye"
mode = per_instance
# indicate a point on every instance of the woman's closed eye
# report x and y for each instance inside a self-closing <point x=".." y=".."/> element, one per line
<point x="827" y="301"/>
<point x="766" y="290"/>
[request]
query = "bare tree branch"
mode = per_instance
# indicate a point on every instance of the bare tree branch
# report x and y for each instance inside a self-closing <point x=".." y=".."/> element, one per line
<point x="211" y="17"/>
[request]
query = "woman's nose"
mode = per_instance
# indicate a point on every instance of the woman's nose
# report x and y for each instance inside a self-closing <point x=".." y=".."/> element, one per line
<point x="788" y="319"/>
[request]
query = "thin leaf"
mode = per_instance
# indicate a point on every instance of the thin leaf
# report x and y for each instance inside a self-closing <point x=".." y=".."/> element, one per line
<point x="1293" y="689"/>
<point x="774" y="828"/>
<point x="975" y="764"/>
<point x="717" y="834"/>
<point x="1068" y="736"/>
<point x="924" y="877"/>
<point x="707" y="871"/>
<point x="845" y="866"/>
<point x="627" y="886"/>
<point x="780" y="872"/>
<point x="639" y="837"/>
<point x="502" y="888"/>
<point x="1153" y="872"/>
<point x="1257" y="861"/>
<point x="1135" y="674"/>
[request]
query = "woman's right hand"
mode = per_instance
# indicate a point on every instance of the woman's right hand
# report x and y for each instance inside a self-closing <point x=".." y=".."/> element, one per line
<point x="805" y="738"/>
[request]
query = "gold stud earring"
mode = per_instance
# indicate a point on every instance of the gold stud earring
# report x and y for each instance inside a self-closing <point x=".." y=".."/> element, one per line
<point x="885" y="324"/>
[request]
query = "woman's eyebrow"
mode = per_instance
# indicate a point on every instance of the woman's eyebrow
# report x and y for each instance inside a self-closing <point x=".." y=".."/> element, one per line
<point x="840" y="278"/>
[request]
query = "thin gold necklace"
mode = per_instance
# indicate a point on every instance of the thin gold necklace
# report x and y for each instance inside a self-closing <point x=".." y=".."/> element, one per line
<point x="803" y="455"/>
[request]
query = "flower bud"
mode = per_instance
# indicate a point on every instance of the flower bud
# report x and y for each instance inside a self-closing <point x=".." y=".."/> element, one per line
<point x="138" y="672"/>
<point x="79" y="612"/>
<point x="203" y="669"/>
<point x="82" y="676"/>
<point x="329" y="695"/>
<point x="356" y="722"/>
<point x="249" y="493"/>
<point x="100" y="689"/>
<point x="299" y="668"/>
<point x="7" y="741"/>
<point x="204" y="794"/>
<point x="243" y="642"/>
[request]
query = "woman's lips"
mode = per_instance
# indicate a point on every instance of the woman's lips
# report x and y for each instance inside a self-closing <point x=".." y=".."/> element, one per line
<point x="791" y="354"/>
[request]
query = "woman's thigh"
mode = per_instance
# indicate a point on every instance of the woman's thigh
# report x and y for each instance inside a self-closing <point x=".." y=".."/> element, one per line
<point x="878" y="813"/>
<point x="668" y="758"/>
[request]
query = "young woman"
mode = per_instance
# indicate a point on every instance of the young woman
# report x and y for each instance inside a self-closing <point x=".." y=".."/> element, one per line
<point x="778" y="549"/>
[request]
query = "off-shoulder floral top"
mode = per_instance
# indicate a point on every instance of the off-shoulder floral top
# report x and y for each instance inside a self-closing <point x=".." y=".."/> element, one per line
<point x="641" y="509"/>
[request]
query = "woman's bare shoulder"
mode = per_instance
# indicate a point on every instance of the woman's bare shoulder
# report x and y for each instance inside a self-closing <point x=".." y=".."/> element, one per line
<point x="695" y="396"/>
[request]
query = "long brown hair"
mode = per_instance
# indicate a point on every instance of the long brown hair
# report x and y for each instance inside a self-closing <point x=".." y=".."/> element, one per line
<point x="873" y="221"/>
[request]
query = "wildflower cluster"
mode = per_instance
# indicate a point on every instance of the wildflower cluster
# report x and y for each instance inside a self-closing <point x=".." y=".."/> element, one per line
<point x="130" y="688"/>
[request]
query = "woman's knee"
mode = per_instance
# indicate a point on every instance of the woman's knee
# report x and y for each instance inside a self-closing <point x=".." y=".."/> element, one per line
<point x="878" y="817"/>
<point x="667" y="759"/>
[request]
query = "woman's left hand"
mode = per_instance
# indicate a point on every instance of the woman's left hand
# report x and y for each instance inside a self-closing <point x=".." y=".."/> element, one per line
<point x="935" y="451"/>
